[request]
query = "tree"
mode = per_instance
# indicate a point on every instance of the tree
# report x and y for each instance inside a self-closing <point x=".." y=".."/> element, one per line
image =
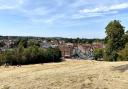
<point x="23" y="41"/>
<point x="53" y="55"/>
<point x="34" y="53"/>
<point x="114" y="40"/>
<point x="19" y="53"/>
<point x="31" y="55"/>
<point x="98" y="54"/>
<point x="32" y="43"/>
<point x="2" y="44"/>
<point x="56" y="55"/>
<point x="126" y="37"/>
<point x="7" y="57"/>
<point x="123" y="54"/>
<point x="1" y="59"/>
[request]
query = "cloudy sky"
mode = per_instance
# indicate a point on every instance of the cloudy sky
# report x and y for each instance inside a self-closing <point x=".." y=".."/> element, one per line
<point x="60" y="18"/>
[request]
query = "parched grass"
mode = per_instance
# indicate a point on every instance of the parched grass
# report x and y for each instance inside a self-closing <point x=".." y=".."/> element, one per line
<point x="70" y="74"/>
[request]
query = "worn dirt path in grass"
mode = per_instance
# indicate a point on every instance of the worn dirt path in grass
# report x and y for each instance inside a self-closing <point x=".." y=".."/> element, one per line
<point x="71" y="74"/>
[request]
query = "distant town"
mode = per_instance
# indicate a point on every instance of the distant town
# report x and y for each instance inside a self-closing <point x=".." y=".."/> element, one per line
<point x="69" y="47"/>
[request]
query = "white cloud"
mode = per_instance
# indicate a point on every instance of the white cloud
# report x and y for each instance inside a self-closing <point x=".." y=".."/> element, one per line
<point x="10" y="4"/>
<point x="94" y="14"/>
<point x="119" y="6"/>
<point x="38" y="11"/>
<point x="106" y="8"/>
<point x="48" y="20"/>
<point x="88" y="15"/>
<point x="48" y="11"/>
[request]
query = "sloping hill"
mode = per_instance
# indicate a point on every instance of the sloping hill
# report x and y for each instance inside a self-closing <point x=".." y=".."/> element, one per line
<point x="71" y="74"/>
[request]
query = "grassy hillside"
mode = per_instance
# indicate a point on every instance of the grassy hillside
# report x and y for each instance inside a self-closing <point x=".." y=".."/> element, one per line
<point x="71" y="74"/>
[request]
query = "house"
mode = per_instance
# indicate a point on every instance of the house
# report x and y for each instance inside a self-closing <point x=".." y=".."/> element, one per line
<point x="66" y="51"/>
<point x="98" y="45"/>
<point x="45" y="44"/>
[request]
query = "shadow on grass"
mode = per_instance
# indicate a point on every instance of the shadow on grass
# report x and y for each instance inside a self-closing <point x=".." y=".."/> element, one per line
<point x="121" y="68"/>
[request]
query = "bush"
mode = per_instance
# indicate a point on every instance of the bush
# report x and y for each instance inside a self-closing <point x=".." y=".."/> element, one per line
<point x="123" y="54"/>
<point x="1" y="59"/>
<point x="98" y="54"/>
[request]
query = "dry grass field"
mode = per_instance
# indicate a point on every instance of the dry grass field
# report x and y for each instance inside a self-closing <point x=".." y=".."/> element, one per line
<point x="70" y="74"/>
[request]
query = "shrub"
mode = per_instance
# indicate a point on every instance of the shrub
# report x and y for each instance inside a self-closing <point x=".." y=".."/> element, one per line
<point x="123" y="54"/>
<point x="98" y="54"/>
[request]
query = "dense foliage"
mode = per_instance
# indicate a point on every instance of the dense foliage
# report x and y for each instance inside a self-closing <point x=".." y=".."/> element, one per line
<point x="116" y="48"/>
<point x="115" y="40"/>
<point x="123" y="54"/>
<point x="31" y="55"/>
<point x="2" y="44"/>
<point x="98" y="54"/>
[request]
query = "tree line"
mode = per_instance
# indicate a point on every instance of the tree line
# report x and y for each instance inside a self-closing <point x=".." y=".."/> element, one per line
<point x="30" y="55"/>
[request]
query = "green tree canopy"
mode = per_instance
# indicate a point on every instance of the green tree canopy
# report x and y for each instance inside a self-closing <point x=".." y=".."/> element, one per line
<point x="2" y="44"/>
<point x="98" y="54"/>
<point x="123" y="54"/>
<point x="114" y="40"/>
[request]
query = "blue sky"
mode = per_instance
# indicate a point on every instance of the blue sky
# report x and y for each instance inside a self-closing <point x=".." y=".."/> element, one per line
<point x="60" y="18"/>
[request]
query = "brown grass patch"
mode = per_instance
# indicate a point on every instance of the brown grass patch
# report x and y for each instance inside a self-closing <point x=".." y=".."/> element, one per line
<point x="70" y="74"/>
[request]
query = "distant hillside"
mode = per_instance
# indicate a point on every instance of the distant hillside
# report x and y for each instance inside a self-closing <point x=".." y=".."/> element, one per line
<point x="72" y="40"/>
